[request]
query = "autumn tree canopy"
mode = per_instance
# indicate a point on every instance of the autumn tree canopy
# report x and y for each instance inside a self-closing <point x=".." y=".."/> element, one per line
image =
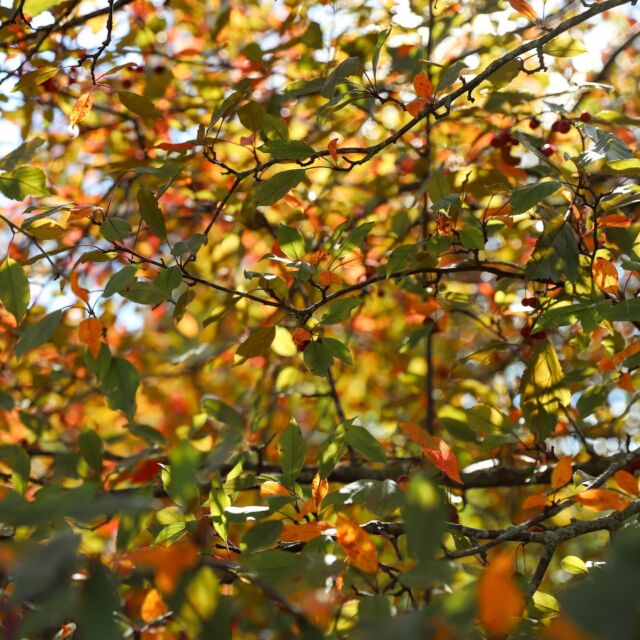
<point x="319" y="319"/>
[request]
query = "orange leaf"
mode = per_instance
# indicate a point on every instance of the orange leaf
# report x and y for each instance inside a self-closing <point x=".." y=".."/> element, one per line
<point x="272" y="488"/>
<point x="303" y="532"/>
<point x="332" y="147"/>
<point x="90" y="332"/>
<point x="602" y="500"/>
<point x="614" y="220"/>
<point x="83" y="294"/>
<point x="358" y="545"/>
<point x="423" y="86"/>
<point x="562" y="473"/>
<point x="627" y="482"/>
<point x="500" y="601"/>
<point x="627" y="352"/>
<point x="562" y="628"/>
<point x="309" y="506"/>
<point x="605" y="275"/>
<point x="536" y="501"/>
<point x="416" y="106"/>
<point x="416" y="433"/>
<point x="169" y="563"/>
<point x="625" y="382"/>
<point x="523" y="7"/>
<point x="440" y="454"/>
<point x="153" y="606"/>
<point x="176" y="146"/>
<point x="319" y="489"/>
<point x="81" y="108"/>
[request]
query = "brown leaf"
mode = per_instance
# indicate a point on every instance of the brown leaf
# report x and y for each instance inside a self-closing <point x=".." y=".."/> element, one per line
<point x="332" y="147"/>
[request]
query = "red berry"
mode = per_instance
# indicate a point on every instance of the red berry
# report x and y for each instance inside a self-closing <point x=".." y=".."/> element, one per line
<point x="561" y="126"/>
<point x="513" y="142"/>
<point x="504" y="136"/>
<point x="495" y="142"/>
<point x="534" y="123"/>
<point x="525" y="332"/>
<point x="539" y="335"/>
<point x="530" y="302"/>
<point x="547" y="150"/>
<point x="158" y="69"/>
<point x="585" y="116"/>
<point x="127" y="84"/>
<point x="51" y="85"/>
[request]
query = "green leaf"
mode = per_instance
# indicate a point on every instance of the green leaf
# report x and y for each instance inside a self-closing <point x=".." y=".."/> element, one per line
<point x="168" y="280"/>
<point x="251" y="115"/>
<point x="287" y="149"/>
<point x="140" y="105"/>
<point x="527" y="197"/>
<point x="348" y="67"/>
<point x="21" y="154"/>
<point x="7" y="403"/>
<point x="275" y="128"/>
<point x="340" y="311"/>
<point x="564" y="46"/>
<point x="450" y="74"/>
<point x="92" y="449"/>
<point x="120" y="384"/>
<point x="258" y="343"/>
<point x="291" y="241"/>
<point x="23" y="182"/>
<point x="317" y="358"/>
<point x="424" y="517"/>
<point x="200" y="601"/>
<point x="14" y="288"/>
<point x="151" y="213"/>
<point x="291" y="448"/>
<point x="363" y="442"/>
<point x="276" y="187"/>
<point x="332" y="450"/>
<point x="191" y="245"/>
<point x="382" y="38"/>
<point x="261" y="536"/>
<point x="556" y="254"/>
<point x="182" y="480"/>
<point x="120" y="280"/>
<point x="34" y="78"/>
<point x="338" y="350"/>
<point x="218" y="502"/>
<point x="223" y="412"/>
<point x="39" y="333"/>
<point x="144" y="293"/>
<point x="113" y="229"/>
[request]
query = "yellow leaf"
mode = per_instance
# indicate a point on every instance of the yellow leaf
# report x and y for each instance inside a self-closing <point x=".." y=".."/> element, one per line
<point x="44" y="229"/>
<point x="81" y="108"/>
<point x="303" y="532"/>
